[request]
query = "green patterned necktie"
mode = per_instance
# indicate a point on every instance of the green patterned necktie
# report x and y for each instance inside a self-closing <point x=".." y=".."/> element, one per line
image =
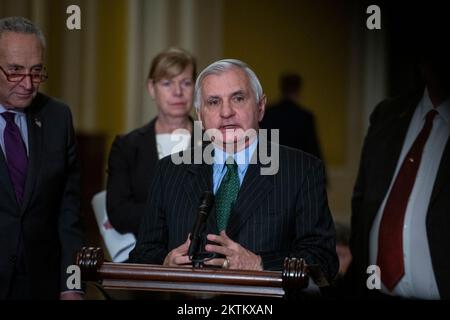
<point x="227" y="194"/>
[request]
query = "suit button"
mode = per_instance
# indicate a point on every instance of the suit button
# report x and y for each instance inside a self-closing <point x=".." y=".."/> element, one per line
<point x="13" y="258"/>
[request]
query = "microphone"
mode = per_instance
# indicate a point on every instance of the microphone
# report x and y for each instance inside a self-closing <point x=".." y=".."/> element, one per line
<point x="197" y="237"/>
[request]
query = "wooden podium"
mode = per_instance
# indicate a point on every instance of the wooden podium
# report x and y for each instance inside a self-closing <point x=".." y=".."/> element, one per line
<point x="126" y="276"/>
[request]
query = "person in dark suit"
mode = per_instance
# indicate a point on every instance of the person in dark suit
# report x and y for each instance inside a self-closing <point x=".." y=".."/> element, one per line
<point x="40" y="222"/>
<point x="401" y="203"/>
<point x="297" y="125"/>
<point x="133" y="156"/>
<point x="259" y="217"/>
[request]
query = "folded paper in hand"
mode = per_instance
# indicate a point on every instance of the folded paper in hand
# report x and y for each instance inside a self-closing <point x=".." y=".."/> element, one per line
<point x="118" y="245"/>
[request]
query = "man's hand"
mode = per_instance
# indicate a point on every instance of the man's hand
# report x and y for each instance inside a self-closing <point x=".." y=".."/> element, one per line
<point x="70" y="295"/>
<point x="178" y="256"/>
<point x="237" y="256"/>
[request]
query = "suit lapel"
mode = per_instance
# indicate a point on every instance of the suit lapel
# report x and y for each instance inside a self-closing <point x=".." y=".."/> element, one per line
<point x="200" y="180"/>
<point x="35" y="124"/>
<point x="255" y="188"/>
<point x="147" y="145"/>
<point x="443" y="175"/>
<point x="391" y="146"/>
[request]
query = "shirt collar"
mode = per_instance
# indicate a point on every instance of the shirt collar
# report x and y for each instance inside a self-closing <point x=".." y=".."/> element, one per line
<point x="2" y="109"/>
<point x="16" y="111"/>
<point x="242" y="158"/>
<point x="426" y="105"/>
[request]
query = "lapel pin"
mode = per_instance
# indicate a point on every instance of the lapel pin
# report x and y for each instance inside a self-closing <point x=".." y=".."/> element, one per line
<point x="38" y="122"/>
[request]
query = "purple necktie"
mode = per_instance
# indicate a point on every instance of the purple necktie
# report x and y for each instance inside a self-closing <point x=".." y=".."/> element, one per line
<point x="16" y="155"/>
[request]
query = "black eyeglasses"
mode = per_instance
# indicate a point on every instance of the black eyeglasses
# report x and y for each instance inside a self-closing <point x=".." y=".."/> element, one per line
<point x="36" y="77"/>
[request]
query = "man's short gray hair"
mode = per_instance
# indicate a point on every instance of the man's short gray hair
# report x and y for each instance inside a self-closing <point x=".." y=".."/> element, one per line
<point x="21" y="25"/>
<point x="220" y="67"/>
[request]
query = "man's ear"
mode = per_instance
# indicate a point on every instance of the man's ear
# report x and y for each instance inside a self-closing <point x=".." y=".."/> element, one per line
<point x="262" y="107"/>
<point x="151" y="88"/>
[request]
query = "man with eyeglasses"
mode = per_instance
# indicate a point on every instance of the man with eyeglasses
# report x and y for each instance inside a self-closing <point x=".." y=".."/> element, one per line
<point x="40" y="222"/>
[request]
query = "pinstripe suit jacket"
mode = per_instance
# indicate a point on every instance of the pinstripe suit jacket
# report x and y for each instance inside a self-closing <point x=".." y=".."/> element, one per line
<point x="275" y="216"/>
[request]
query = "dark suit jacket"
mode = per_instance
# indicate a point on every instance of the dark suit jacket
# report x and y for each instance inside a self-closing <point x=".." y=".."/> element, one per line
<point x="131" y="167"/>
<point x="296" y="124"/>
<point x="382" y="146"/>
<point x="41" y="237"/>
<point x="275" y="216"/>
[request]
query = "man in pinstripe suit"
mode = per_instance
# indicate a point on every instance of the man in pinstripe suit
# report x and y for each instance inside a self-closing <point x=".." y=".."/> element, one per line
<point x="273" y="216"/>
